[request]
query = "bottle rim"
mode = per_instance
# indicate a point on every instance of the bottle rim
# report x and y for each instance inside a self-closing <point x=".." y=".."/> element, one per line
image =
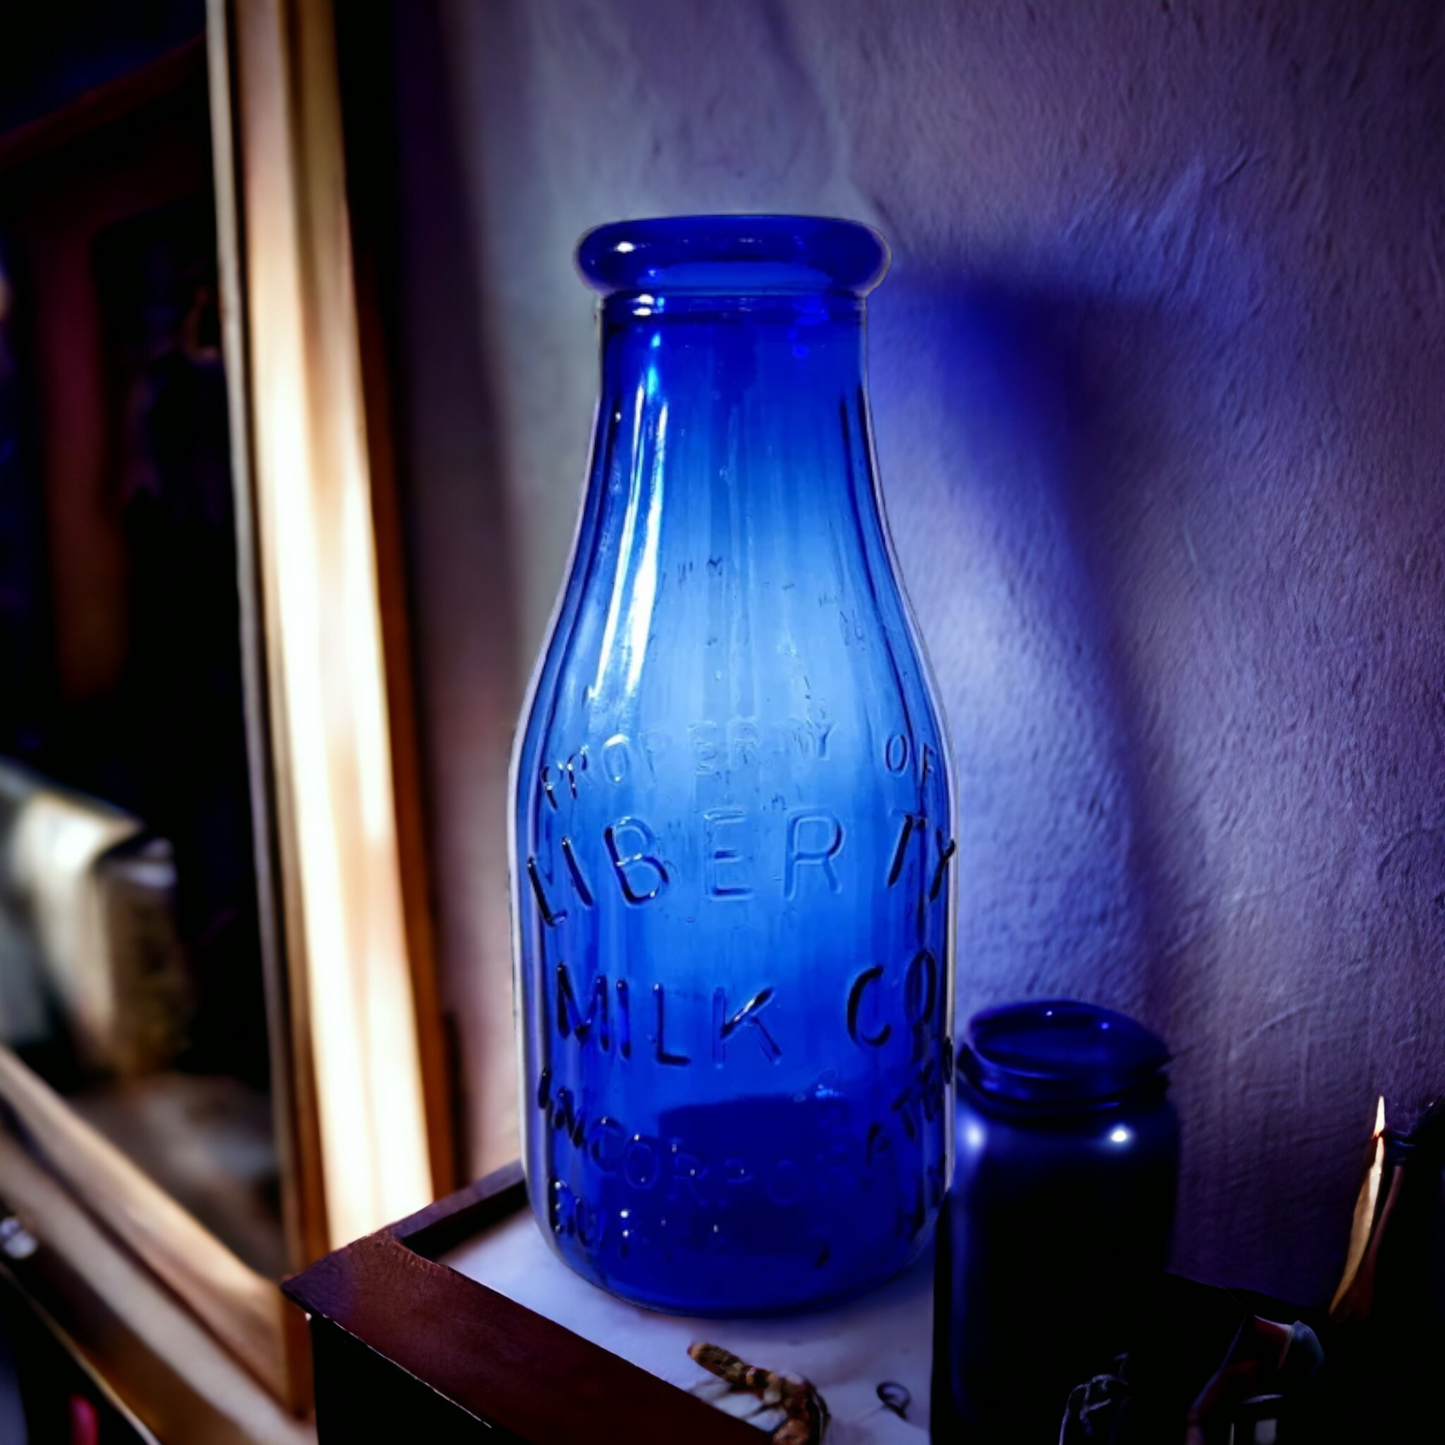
<point x="733" y="255"/>
<point x="1058" y="1052"/>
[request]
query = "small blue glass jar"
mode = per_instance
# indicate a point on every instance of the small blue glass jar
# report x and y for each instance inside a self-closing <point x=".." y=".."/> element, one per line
<point x="1060" y="1216"/>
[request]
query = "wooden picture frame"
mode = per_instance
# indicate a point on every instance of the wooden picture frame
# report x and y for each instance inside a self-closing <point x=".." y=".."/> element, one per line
<point x="358" y="1057"/>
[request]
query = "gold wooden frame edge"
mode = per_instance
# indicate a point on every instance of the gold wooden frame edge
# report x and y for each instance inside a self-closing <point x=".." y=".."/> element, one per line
<point x="352" y="968"/>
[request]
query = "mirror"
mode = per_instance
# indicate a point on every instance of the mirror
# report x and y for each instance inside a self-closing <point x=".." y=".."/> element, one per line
<point x="220" y="1038"/>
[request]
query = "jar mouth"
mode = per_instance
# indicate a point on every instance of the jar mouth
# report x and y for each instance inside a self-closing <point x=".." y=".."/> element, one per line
<point x="1059" y="1052"/>
<point x="733" y="256"/>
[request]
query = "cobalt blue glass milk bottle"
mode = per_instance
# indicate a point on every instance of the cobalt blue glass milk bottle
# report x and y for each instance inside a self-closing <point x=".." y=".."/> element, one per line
<point x="732" y="813"/>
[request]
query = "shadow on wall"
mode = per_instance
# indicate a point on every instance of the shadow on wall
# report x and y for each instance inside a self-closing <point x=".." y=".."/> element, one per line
<point x="1024" y="454"/>
<point x="1149" y="730"/>
<point x="1062" y="889"/>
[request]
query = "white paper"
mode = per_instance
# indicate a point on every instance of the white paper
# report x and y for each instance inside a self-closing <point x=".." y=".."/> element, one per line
<point x="846" y="1352"/>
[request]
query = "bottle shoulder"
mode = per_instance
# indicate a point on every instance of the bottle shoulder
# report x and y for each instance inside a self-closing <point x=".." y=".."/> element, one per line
<point x="843" y="685"/>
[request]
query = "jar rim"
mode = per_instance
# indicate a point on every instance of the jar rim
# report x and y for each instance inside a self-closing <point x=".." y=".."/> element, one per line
<point x="733" y="255"/>
<point x="1058" y="1051"/>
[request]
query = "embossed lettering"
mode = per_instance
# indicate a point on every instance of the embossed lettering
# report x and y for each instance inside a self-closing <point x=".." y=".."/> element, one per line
<point x="920" y="987"/>
<point x="737" y="1172"/>
<point x="743" y="741"/>
<point x="640" y="872"/>
<point x="624" y="1020"/>
<point x="550" y="916"/>
<point x="920" y="994"/>
<point x="569" y="1214"/>
<point x="559" y="1206"/>
<point x="588" y="1221"/>
<point x="640" y="1162"/>
<point x="815" y="838"/>
<point x="662" y="1055"/>
<point x="921" y="1098"/>
<point x="569" y="1017"/>
<point x="605" y="1144"/>
<point x="615" y="757"/>
<point x="687" y="1173"/>
<point x="878" y="1143"/>
<point x="574" y="868"/>
<point x="946" y="849"/>
<point x="930" y="761"/>
<point x="906" y="1107"/>
<point x="703" y="737"/>
<point x="856" y="1031"/>
<point x="723" y="862"/>
<point x="572" y="766"/>
<point x="805" y="737"/>
<point x="654" y="747"/>
<point x="895" y="753"/>
<point x="566" y="1118"/>
<point x="724" y="1027"/>
<point x="911" y="822"/>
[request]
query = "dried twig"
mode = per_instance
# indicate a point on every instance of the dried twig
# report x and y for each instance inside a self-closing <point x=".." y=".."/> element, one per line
<point x="804" y="1414"/>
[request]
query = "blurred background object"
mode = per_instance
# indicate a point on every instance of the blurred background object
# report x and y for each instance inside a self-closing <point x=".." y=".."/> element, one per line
<point x="154" y="1079"/>
<point x="220" y="1050"/>
<point x="89" y="935"/>
<point x="128" y="904"/>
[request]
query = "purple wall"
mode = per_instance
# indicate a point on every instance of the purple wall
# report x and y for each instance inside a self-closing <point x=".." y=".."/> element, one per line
<point x="1157" y="378"/>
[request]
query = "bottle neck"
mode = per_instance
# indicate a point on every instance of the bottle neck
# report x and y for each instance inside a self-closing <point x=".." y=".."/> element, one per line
<point x="759" y="396"/>
<point x="732" y="464"/>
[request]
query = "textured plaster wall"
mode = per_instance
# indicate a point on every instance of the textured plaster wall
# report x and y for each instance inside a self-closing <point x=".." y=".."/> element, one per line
<point x="1157" y="379"/>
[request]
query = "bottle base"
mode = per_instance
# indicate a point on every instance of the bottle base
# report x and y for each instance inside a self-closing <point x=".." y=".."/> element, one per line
<point x="730" y="1287"/>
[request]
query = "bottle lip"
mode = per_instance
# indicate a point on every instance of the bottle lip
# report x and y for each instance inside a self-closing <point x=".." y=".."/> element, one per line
<point x="1058" y="1052"/>
<point x="726" y="255"/>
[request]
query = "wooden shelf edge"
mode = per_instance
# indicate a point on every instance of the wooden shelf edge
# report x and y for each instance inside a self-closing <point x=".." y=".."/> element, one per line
<point x="388" y="1296"/>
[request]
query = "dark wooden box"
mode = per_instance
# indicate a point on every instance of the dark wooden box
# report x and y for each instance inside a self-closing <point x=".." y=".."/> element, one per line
<point x="408" y="1348"/>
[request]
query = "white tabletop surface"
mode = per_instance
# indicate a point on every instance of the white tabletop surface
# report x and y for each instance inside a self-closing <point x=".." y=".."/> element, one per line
<point x="846" y="1352"/>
